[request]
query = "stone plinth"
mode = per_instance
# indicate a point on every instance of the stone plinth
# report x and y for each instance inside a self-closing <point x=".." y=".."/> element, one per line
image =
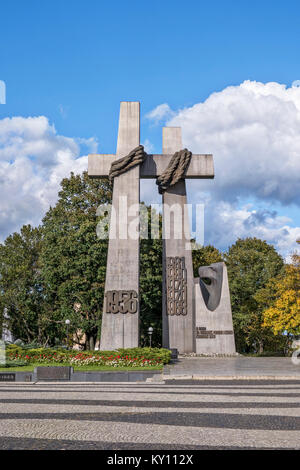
<point x="214" y="328"/>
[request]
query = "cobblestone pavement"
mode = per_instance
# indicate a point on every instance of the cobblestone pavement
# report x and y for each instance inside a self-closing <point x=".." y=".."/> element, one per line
<point x="177" y="414"/>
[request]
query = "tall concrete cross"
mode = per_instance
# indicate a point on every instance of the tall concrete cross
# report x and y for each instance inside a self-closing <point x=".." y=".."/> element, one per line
<point x="179" y="320"/>
<point x="121" y="329"/>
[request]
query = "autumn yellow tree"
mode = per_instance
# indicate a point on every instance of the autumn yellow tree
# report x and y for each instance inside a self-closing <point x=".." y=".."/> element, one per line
<point x="284" y="311"/>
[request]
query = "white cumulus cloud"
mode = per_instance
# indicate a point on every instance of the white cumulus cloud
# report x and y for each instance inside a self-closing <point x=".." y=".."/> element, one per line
<point x="162" y="111"/>
<point x="253" y="131"/>
<point x="33" y="161"/>
<point x="225" y="223"/>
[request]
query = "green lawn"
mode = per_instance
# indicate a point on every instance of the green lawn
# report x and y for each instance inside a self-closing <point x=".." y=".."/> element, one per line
<point x="30" y="368"/>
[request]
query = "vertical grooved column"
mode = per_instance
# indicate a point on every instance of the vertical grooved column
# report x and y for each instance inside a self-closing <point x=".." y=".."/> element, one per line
<point x="178" y="330"/>
<point x="121" y="330"/>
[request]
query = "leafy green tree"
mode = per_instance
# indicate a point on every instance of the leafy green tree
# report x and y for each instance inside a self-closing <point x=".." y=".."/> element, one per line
<point x="251" y="263"/>
<point x="57" y="271"/>
<point x="73" y="258"/>
<point x="21" y="285"/>
<point x="74" y="262"/>
<point x="204" y="256"/>
<point x="151" y="284"/>
<point x="281" y="300"/>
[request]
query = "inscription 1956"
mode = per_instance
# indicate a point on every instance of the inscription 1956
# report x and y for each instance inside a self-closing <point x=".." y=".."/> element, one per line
<point x="121" y="301"/>
<point x="176" y="286"/>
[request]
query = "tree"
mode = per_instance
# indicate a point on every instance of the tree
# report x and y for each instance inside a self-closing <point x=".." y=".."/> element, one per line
<point x="251" y="264"/>
<point x="74" y="262"/>
<point x="204" y="256"/>
<point x="296" y="257"/>
<point x="73" y="259"/>
<point x="283" y="315"/>
<point x="151" y="284"/>
<point x="21" y="285"/>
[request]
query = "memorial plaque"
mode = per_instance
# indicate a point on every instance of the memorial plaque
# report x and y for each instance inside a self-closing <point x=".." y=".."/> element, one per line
<point x="53" y="373"/>
<point x="176" y="286"/>
<point x="203" y="333"/>
<point x="7" y="377"/>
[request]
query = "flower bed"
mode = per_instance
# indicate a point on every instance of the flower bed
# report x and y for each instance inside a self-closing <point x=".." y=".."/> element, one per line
<point x="136" y="357"/>
<point x="113" y="361"/>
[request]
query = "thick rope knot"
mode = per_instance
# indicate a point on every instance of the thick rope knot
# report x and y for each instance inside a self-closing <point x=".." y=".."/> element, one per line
<point x="134" y="158"/>
<point x="175" y="171"/>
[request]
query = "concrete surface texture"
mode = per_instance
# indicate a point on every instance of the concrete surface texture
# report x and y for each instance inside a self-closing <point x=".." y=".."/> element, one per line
<point x="183" y="415"/>
<point x="122" y="273"/>
<point x="6" y="333"/>
<point x="86" y="376"/>
<point x="240" y="366"/>
<point x="178" y="330"/>
<point x="214" y="326"/>
<point x="201" y="166"/>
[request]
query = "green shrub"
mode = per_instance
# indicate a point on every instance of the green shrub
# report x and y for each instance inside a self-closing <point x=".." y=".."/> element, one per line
<point x="13" y="364"/>
<point x="148" y="353"/>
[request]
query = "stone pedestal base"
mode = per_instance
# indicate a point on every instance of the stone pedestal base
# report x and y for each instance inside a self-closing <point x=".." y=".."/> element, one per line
<point x="214" y="329"/>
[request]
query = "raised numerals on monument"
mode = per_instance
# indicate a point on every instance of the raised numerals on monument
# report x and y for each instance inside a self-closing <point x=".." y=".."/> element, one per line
<point x="176" y="286"/>
<point x="121" y="301"/>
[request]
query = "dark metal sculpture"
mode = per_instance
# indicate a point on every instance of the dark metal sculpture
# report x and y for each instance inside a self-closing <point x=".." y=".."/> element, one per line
<point x="134" y="158"/>
<point x="176" y="286"/>
<point x="175" y="171"/>
<point x="211" y="281"/>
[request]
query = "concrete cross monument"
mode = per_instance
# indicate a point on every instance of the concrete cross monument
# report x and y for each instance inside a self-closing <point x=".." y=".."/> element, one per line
<point x="120" y="321"/>
<point x="178" y="279"/>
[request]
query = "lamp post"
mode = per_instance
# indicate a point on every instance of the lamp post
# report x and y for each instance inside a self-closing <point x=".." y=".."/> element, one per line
<point x="150" y="331"/>
<point x="67" y="322"/>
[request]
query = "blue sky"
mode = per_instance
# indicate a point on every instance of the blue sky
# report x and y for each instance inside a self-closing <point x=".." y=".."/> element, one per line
<point x="74" y="61"/>
<point x="88" y="55"/>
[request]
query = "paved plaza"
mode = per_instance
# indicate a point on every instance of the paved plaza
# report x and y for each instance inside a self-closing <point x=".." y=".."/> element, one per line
<point x="239" y="366"/>
<point x="177" y="414"/>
